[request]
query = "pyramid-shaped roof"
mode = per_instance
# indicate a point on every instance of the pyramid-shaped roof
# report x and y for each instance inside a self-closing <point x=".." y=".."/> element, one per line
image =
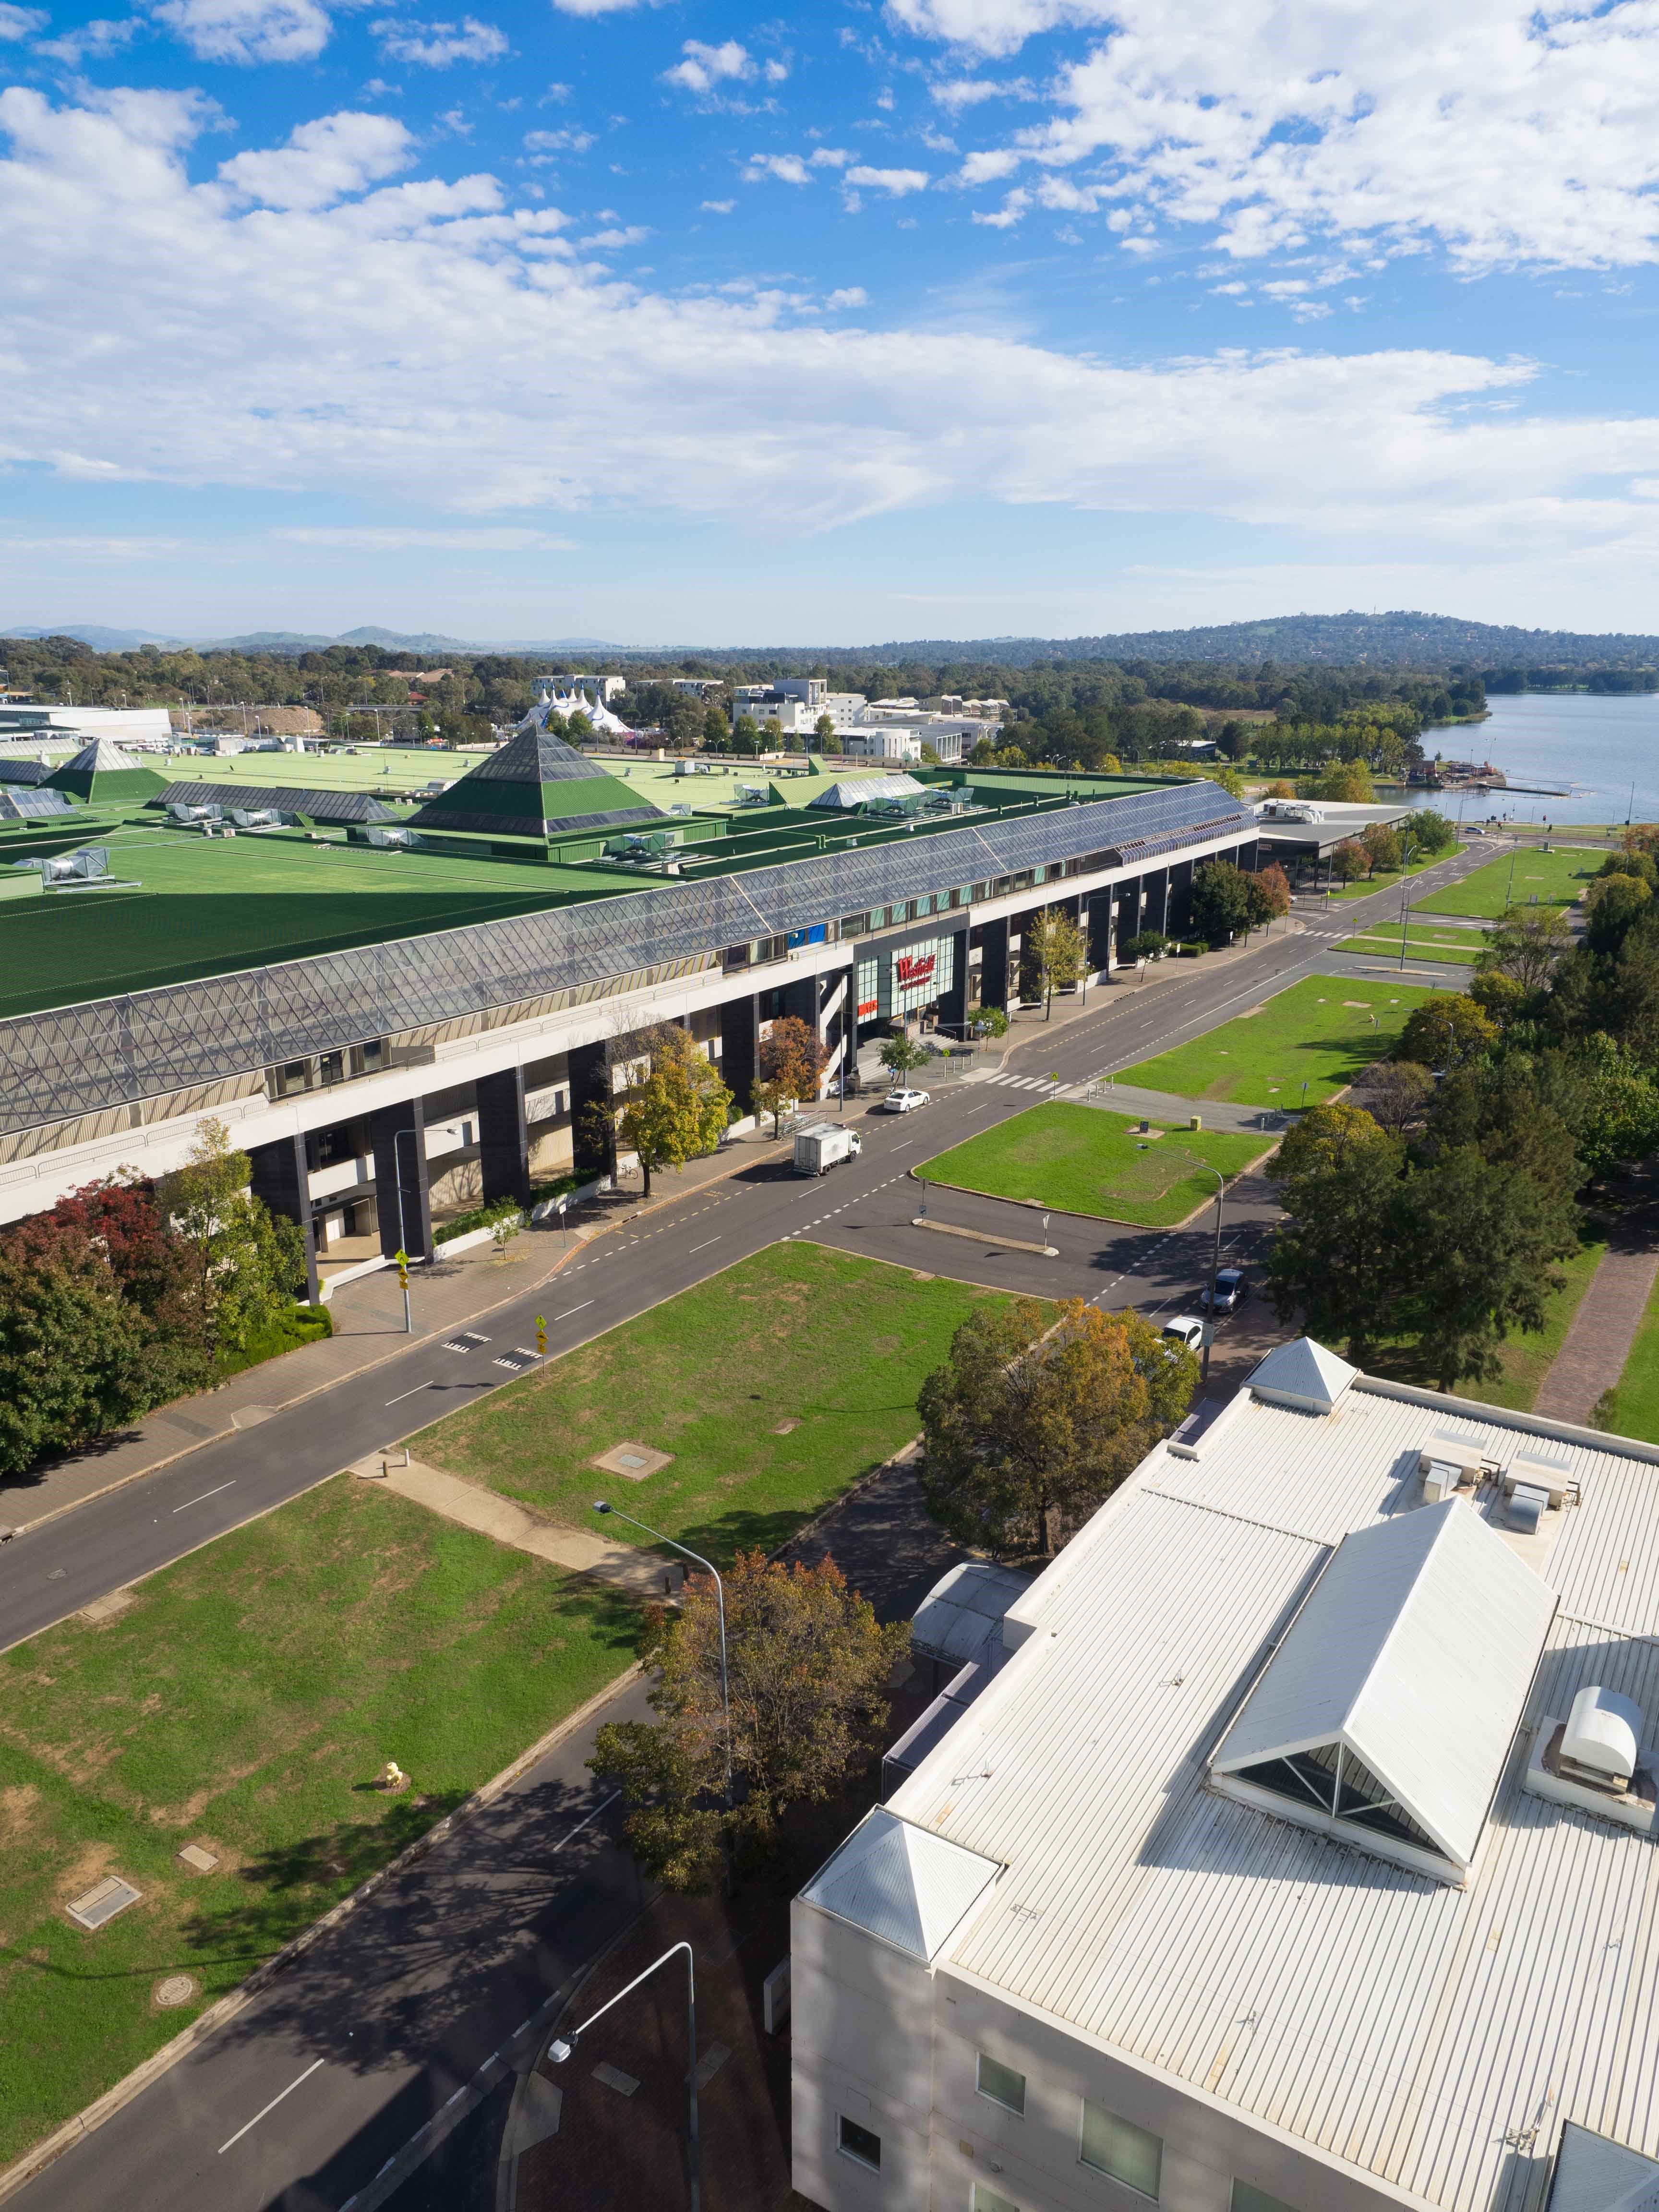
<point x="902" y="1883"/>
<point x="1301" y="1373"/>
<point x="534" y="785"/>
<point x="1414" y="1652"/>
<point x="101" y="771"/>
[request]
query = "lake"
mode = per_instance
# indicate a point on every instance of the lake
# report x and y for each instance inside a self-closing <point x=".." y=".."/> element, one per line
<point x="1601" y="742"/>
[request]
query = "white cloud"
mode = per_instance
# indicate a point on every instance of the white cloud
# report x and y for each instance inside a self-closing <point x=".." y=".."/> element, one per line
<point x="830" y="157"/>
<point x="704" y="67"/>
<point x="718" y="207"/>
<point x="1507" y="133"/>
<point x="100" y="37"/>
<point x="776" y="72"/>
<point x="572" y="140"/>
<point x="896" y="182"/>
<point x="957" y="93"/>
<point x="322" y="161"/>
<point x="356" y="539"/>
<point x="850" y="296"/>
<point x="787" y="169"/>
<point x="437" y="45"/>
<point x="612" y="241"/>
<point x="443" y="359"/>
<point x="20" y="22"/>
<point x="248" y="30"/>
<point x="601" y="7"/>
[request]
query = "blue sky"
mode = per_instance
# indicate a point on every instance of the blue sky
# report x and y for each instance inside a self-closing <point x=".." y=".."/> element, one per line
<point x="700" y="322"/>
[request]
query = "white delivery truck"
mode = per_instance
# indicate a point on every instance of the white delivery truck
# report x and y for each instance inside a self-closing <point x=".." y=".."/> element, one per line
<point x="824" y="1146"/>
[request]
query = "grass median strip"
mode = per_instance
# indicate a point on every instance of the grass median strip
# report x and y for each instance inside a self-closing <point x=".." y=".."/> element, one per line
<point x="1320" y="1032"/>
<point x="1080" y="1159"/>
<point x="1444" y="945"/>
<point x="1552" y="879"/>
<point x="836" y="1345"/>
<point x="245" y="1702"/>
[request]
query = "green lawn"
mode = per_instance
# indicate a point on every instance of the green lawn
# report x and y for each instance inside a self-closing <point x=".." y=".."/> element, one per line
<point x="1633" y="1406"/>
<point x="1384" y="879"/>
<point x="247" y="1701"/>
<point x="1319" y="1032"/>
<point x="1080" y="1159"/>
<point x="839" y="1347"/>
<point x="1526" y="1360"/>
<point x="1553" y="878"/>
<point x="1445" y="943"/>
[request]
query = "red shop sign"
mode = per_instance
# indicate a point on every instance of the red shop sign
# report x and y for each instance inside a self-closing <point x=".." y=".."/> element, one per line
<point x="913" y="969"/>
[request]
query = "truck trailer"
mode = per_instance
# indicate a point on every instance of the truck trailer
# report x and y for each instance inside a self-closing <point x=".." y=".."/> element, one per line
<point x="824" y="1146"/>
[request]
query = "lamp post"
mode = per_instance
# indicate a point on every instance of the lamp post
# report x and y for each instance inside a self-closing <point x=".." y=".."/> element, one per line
<point x="600" y="1505"/>
<point x="562" y="2048"/>
<point x="1405" y="899"/>
<point x="397" y="1136"/>
<point x="1215" y="1269"/>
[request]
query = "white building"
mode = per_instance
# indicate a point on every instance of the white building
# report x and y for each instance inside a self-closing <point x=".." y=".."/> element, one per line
<point x="797" y="703"/>
<point x="146" y="728"/>
<point x="1300" y="1852"/>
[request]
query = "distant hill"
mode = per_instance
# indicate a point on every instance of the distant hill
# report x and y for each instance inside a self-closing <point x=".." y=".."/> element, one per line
<point x="1395" y="640"/>
<point x="98" y="635"/>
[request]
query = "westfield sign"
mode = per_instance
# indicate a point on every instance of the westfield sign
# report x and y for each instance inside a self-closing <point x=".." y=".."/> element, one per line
<point x="914" y="968"/>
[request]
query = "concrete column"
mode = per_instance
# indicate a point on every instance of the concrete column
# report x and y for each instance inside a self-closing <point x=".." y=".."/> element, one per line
<point x="593" y="1151"/>
<point x="739" y="1046"/>
<point x="953" y="1003"/>
<point x="397" y="1134"/>
<point x="993" y="964"/>
<point x="1098" y="930"/>
<point x="1155" y="901"/>
<point x="281" y="1181"/>
<point x="1180" y="897"/>
<point x="503" y="1136"/>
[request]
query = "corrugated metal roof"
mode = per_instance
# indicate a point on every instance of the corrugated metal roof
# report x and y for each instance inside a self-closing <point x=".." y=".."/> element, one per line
<point x="963" y="1607"/>
<point x="902" y="1883"/>
<point x="1429" y="2036"/>
<point x="1415" y="1649"/>
<point x="1303" y="1373"/>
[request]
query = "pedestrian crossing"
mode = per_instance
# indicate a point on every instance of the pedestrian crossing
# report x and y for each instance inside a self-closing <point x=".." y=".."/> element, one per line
<point x="1024" y="1082"/>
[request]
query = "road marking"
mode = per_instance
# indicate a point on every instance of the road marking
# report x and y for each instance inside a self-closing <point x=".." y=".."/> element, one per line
<point x="272" y="2106"/>
<point x="402" y="1394"/>
<point x="904" y="1147"/>
<point x="206" y="1494"/>
<point x="702" y="1247"/>
<point x="591" y="1817"/>
<point x="569" y="1310"/>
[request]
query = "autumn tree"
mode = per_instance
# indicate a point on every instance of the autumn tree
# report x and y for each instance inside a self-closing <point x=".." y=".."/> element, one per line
<point x="789" y="1065"/>
<point x="807" y="1674"/>
<point x="1053" y="948"/>
<point x="1275" y="887"/>
<point x="676" y="1110"/>
<point x="1395" y="1093"/>
<point x="1026" y="1431"/>
<point x="244" y="1264"/>
<point x="1348" y="861"/>
<point x="1444" y="1029"/>
<point x="1381" y="848"/>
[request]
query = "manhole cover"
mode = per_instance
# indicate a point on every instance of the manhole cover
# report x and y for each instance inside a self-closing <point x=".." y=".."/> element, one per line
<point x="633" y="1461"/>
<point x="107" y="1608"/>
<point x="174" y="1989"/>
<point x="198" y="1860"/>
<point x="101" y="1904"/>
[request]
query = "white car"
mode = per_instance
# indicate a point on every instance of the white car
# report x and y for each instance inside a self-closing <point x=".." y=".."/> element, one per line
<point x="1187" y="1329"/>
<point x="904" y="1102"/>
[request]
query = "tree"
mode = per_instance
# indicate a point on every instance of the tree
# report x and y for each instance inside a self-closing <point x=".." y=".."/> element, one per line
<point x="1622" y="1123"/>
<point x="680" y="1109"/>
<point x="1395" y="1093"/>
<point x="1053" y="947"/>
<point x="824" y="731"/>
<point x="1275" y="887"/>
<point x="1527" y="945"/>
<point x="1233" y="738"/>
<point x="1222" y="902"/>
<point x="1335" y="1257"/>
<point x="807" y="1671"/>
<point x="246" y="1265"/>
<point x="790" y="1067"/>
<point x="1445" y="1030"/>
<point x="716" y="729"/>
<point x="902" y="1056"/>
<point x="1348" y="861"/>
<point x="1346" y="783"/>
<point x="745" y="735"/>
<point x="1026" y="1433"/>
<point x="1429" y="832"/>
<point x="1612" y="905"/>
<point x="1381" y="847"/>
<point x="72" y="1364"/>
<point x="1149" y="945"/>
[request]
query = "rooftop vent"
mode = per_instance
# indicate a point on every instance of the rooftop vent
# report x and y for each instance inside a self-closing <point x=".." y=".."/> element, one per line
<point x="1603" y="1732"/>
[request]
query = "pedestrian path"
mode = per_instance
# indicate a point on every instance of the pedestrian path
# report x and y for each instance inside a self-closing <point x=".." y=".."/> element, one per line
<point x="1601" y="1334"/>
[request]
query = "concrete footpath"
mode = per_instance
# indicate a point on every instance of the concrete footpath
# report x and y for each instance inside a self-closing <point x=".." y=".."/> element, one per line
<point x="368" y="1325"/>
<point x="1601" y="1334"/>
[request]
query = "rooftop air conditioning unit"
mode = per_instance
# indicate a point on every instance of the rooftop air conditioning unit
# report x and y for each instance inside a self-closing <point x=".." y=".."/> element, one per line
<point x="1446" y="1464"/>
<point x="1602" y="1736"/>
<point x="1552" y="1476"/>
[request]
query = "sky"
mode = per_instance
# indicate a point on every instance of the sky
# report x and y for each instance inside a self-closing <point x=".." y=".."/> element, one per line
<point x="704" y="323"/>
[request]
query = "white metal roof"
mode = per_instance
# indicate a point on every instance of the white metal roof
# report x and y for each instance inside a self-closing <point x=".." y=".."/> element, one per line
<point x="852" y="793"/>
<point x="1409" y="2028"/>
<point x="1415" y="1649"/>
<point x="904" y="1884"/>
<point x="1303" y="1373"/>
<point x="964" y="1606"/>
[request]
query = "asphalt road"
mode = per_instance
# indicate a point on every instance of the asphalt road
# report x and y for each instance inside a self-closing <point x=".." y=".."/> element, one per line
<point x="300" y="2102"/>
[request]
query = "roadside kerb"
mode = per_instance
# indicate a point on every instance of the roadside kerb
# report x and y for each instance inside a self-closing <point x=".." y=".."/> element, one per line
<point x="219" y="2015"/>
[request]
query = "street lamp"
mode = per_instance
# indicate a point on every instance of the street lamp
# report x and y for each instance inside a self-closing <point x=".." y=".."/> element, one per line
<point x="600" y="1505"/>
<point x="1215" y="1267"/>
<point x="397" y="1136"/>
<point x="1405" y="898"/>
<point x="562" y="2048"/>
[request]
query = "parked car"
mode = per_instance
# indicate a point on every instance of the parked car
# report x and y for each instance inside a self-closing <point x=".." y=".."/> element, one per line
<point x="1187" y="1329"/>
<point x="904" y="1102"/>
<point x="1232" y="1289"/>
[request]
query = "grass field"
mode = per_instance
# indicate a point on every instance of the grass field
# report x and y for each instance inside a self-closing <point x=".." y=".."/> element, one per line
<point x="836" y="1345"/>
<point x="1384" y="879"/>
<point x="1445" y="943"/>
<point x="1319" y="1032"/>
<point x="1080" y="1159"/>
<point x="1633" y="1408"/>
<point x="247" y="1701"/>
<point x="211" y="904"/>
<point x="1553" y="878"/>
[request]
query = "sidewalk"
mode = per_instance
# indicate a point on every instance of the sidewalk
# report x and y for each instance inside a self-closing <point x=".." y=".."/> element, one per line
<point x="1601" y="1334"/>
<point x="368" y="1323"/>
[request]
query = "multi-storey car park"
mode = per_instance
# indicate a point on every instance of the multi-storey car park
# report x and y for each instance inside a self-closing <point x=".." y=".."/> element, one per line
<point x="395" y="1005"/>
<point x="1289" y="1845"/>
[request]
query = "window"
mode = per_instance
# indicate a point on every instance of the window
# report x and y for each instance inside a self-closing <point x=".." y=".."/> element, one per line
<point x="854" y="2141"/>
<point x="1247" y="2199"/>
<point x="1116" y="2146"/>
<point x="987" y="2200"/>
<point x="1001" y="2084"/>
